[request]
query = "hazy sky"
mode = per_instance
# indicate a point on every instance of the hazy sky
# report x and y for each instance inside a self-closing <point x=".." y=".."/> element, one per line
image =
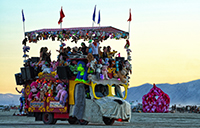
<point x="165" y="35"/>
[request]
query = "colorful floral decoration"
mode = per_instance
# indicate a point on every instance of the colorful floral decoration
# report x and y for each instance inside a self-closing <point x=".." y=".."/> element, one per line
<point x="155" y="101"/>
<point x="86" y="33"/>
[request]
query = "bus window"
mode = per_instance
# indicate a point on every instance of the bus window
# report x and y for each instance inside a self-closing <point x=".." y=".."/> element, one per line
<point x="117" y="91"/>
<point x="87" y="92"/>
<point x="101" y="90"/>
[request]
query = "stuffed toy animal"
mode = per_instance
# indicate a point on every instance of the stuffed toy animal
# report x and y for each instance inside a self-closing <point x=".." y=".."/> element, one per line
<point x="98" y="71"/>
<point x="43" y="90"/>
<point x="128" y="54"/>
<point x="92" y="64"/>
<point x="54" y="65"/>
<point x="122" y="75"/>
<point x="127" y="45"/>
<point x="34" y="91"/>
<point x="24" y="41"/>
<point x="62" y="94"/>
<point x="26" y="49"/>
<point x="82" y="72"/>
<point x="90" y="58"/>
<point x="74" y="39"/>
<point x="45" y="68"/>
<point x="128" y="66"/>
<point x="117" y="65"/>
<point x="104" y="72"/>
<point x="106" y="62"/>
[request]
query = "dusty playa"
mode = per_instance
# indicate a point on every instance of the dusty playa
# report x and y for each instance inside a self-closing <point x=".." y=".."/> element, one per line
<point x="138" y="120"/>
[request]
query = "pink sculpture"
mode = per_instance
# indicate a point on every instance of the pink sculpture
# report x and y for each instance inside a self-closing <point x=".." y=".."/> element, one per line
<point x="155" y="101"/>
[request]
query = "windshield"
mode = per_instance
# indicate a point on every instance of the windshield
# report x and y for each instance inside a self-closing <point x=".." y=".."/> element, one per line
<point x="101" y="90"/>
<point x="116" y="91"/>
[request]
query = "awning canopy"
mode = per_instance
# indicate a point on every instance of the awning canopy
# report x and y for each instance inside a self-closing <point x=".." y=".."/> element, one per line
<point x="86" y="33"/>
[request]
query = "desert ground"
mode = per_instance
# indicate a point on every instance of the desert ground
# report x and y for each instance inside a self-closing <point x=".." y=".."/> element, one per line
<point x="138" y="120"/>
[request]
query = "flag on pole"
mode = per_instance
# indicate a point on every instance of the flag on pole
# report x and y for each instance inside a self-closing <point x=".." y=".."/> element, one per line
<point x="99" y="19"/>
<point x="23" y="18"/>
<point x="94" y="14"/>
<point x="129" y="16"/>
<point x="62" y="15"/>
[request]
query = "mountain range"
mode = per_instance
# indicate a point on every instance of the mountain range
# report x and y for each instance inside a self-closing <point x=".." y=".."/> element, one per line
<point x="181" y="93"/>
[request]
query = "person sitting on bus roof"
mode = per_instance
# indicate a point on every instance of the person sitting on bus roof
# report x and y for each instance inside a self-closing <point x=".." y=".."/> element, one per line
<point x="74" y="50"/>
<point x="95" y="49"/>
<point x="84" y="48"/>
<point x="68" y="50"/>
<point x="46" y="56"/>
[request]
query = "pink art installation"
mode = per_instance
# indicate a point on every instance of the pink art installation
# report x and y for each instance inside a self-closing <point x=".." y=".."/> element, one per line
<point x="156" y="101"/>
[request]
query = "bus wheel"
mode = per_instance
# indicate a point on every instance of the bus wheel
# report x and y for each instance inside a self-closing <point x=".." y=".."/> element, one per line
<point x="83" y="122"/>
<point x="47" y="118"/>
<point x="72" y="120"/>
<point x="108" y="121"/>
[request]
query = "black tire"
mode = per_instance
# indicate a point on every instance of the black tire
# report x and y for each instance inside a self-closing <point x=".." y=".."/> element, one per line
<point x="83" y="122"/>
<point x="72" y="120"/>
<point x="108" y="121"/>
<point x="47" y="118"/>
<point x="54" y="121"/>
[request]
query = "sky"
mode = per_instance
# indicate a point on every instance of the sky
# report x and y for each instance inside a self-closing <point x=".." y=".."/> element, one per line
<point x="164" y="35"/>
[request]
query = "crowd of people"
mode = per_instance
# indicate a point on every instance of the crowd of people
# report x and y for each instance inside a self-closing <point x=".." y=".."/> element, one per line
<point x="66" y="51"/>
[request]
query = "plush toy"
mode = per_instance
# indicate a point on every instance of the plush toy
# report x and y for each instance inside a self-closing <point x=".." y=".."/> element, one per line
<point x="128" y="54"/>
<point x="128" y="66"/>
<point x="105" y="71"/>
<point x="122" y="75"/>
<point x="117" y="65"/>
<point x="45" y="68"/>
<point x="24" y="41"/>
<point x="74" y="39"/>
<point x="34" y="38"/>
<point x="92" y="64"/>
<point x="90" y="58"/>
<point x="54" y="65"/>
<point x="111" y="54"/>
<point x="98" y="71"/>
<point x="34" y="92"/>
<point x="106" y="62"/>
<point x="26" y="49"/>
<point x="127" y="45"/>
<point x="62" y="94"/>
<point x="82" y="72"/>
<point x="50" y="86"/>
<point x="43" y="91"/>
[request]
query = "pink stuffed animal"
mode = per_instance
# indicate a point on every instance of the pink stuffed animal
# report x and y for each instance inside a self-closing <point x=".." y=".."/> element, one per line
<point x="62" y="94"/>
<point x="34" y="91"/>
<point x="105" y="72"/>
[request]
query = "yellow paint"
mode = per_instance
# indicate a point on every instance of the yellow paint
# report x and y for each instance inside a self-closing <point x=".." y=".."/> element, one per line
<point x="27" y="90"/>
<point x="42" y="109"/>
<point x="63" y="109"/>
<point x="49" y="109"/>
<point x="72" y="85"/>
<point x="31" y="109"/>
<point x="109" y="90"/>
<point x="50" y="99"/>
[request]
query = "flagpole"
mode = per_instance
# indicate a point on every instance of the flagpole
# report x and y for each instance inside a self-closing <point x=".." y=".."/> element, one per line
<point x="129" y="29"/>
<point x="24" y="29"/>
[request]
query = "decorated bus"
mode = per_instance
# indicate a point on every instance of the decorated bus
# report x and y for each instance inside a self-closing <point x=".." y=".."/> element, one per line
<point x="85" y="84"/>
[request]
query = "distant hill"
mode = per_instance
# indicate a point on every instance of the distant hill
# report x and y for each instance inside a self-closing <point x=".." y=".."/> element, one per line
<point x="8" y="99"/>
<point x="180" y="93"/>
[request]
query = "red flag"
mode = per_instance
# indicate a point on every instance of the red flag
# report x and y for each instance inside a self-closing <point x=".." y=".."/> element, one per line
<point x="62" y="15"/>
<point x="129" y="16"/>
